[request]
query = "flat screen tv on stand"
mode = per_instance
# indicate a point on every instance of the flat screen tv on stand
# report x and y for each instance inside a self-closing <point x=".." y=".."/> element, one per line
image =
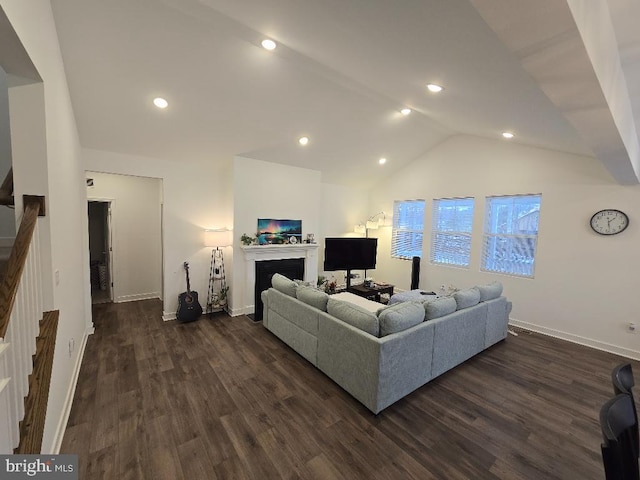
<point x="348" y="253"/>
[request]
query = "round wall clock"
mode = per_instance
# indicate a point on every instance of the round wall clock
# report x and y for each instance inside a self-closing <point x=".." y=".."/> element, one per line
<point x="609" y="221"/>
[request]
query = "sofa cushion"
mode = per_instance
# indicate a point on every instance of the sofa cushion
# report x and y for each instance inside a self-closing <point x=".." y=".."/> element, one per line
<point x="302" y="282"/>
<point x="439" y="307"/>
<point x="399" y="317"/>
<point x="284" y="285"/>
<point x="490" y="291"/>
<point x="312" y="296"/>
<point x="354" y="315"/>
<point x="467" y="298"/>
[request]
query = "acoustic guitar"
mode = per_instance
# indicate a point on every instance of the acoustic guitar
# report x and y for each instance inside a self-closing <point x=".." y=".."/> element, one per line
<point x="189" y="308"/>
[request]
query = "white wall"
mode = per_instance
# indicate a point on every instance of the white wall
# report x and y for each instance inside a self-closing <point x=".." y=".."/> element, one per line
<point x="135" y="232"/>
<point x="7" y="215"/>
<point x="269" y="190"/>
<point x="66" y="205"/>
<point x="195" y="198"/>
<point x="31" y="170"/>
<point x="585" y="286"/>
<point x="341" y="209"/>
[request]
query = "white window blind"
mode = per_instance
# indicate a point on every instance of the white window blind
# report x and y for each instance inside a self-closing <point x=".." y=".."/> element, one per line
<point x="408" y="228"/>
<point x="511" y="234"/>
<point x="451" y="226"/>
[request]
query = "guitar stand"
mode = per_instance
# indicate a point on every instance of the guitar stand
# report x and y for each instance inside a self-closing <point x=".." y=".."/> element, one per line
<point x="217" y="296"/>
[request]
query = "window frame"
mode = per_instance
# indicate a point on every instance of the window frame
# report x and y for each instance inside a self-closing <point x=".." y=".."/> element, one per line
<point x="510" y="239"/>
<point x="455" y="202"/>
<point x="413" y="233"/>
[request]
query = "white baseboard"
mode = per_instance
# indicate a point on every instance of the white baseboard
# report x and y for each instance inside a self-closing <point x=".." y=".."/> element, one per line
<point x="235" y="312"/>
<point x="68" y="402"/>
<point x="168" y="316"/>
<point x="136" y="297"/>
<point x="570" y="337"/>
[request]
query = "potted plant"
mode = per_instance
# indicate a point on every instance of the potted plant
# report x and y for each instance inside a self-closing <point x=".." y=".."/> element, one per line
<point x="222" y="299"/>
<point x="247" y="239"/>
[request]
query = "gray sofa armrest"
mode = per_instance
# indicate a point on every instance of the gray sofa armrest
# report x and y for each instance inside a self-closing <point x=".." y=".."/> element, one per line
<point x="405" y="363"/>
<point x="376" y="371"/>
<point x="350" y="357"/>
<point x="458" y="337"/>
<point x="497" y="320"/>
<point x="265" y="311"/>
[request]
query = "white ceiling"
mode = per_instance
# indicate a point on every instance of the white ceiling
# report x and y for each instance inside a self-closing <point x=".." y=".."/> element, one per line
<point x="341" y="73"/>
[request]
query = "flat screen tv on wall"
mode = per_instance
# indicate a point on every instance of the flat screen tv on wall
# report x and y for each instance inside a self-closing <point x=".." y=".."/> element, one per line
<point x="347" y="253"/>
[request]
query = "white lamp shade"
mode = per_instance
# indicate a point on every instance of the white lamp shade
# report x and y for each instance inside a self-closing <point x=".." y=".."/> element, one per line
<point x="372" y="225"/>
<point x="360" y="229"/>
<point x="217" y="237"/>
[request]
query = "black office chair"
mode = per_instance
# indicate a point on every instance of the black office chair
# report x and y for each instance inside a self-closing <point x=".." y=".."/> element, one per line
<point x="622" y="379"/>
<point x="618" y="422"/>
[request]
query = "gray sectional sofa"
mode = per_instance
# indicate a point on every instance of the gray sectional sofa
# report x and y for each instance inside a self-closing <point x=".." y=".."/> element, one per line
<point x="380" y="354"/>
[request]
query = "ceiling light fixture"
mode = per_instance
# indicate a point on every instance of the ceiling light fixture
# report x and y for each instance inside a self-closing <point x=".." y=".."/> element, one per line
<point x="303" y="140"/>
<point x="434" y="88"/>
<point x="382" y="161"/>
<point x="507" y="135"/>
<point x="160" y="102"/>
<point x="405" y="111"/>
<point x="268" y="44"/>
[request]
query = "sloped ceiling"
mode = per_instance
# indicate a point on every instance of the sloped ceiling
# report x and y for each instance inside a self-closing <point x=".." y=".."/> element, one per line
<point x="342" y="71"/>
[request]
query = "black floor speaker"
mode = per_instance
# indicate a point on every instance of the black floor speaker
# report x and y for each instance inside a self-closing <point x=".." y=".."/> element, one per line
<point x="415" y="273"/>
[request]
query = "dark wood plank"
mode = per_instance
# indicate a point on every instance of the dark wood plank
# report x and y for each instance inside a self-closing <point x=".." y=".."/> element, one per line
<point x="223" y="398"/>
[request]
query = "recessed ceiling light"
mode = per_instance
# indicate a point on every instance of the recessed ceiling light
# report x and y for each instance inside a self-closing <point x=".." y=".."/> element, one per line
<point x="405" y="111"/>
<point x="268" y="44"/>
<point x="160" y="102"/>
<point x="507" y="134"/>
<point x="434" y="88"/>
<point x="382" y="161"/>
<point x="303" y="140"/>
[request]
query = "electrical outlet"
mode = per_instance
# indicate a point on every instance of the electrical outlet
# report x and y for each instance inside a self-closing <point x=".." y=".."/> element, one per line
<point x="631" y="327"/>
<point x="72" y="346"/>
<point x="57" y="275"/>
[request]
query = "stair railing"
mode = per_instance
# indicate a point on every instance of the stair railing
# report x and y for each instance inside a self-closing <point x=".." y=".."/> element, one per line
<point x="21" y="311"/>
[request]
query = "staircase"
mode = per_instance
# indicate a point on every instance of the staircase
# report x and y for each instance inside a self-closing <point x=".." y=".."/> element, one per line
<point x="6" y="198"/>
<point x="27" y="336"/>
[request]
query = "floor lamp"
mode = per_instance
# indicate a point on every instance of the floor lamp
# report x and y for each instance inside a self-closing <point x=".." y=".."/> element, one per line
<point x="373" y="223"/>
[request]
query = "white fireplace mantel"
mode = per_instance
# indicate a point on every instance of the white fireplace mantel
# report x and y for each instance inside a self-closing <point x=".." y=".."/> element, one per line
<point x="260" y="253"/>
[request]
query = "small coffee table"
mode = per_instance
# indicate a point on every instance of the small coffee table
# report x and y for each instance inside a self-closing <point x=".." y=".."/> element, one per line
<point x="371" y="293"/>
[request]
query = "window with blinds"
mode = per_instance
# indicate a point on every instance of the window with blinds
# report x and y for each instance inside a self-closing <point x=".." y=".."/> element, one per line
<point x="452" y="223"/>
<point x="511" y="234"/>
<point x="408" y="228"/>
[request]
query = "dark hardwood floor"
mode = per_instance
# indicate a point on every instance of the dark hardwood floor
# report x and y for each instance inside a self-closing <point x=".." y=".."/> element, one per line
<point x="224" y="398"/>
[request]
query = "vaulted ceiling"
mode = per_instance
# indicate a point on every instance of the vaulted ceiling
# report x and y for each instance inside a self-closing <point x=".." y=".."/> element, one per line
<point x="341" y="72"/>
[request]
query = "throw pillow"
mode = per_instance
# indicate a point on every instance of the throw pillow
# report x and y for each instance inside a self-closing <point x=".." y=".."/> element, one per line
<point x="354" y="315"/>
<point x="284" y="285"/>
<point x="439" y="307"/>
<point x="399" y="317"/>
<point x="490" y="291"/>
<point x="312" y="296"/>
<point x="467" y="298"/>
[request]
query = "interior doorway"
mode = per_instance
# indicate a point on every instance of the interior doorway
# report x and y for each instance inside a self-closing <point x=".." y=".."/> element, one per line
<point x="100" y="251"/>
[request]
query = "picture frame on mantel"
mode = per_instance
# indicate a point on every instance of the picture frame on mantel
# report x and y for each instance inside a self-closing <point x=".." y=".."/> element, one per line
<point x="273" y="231"/>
